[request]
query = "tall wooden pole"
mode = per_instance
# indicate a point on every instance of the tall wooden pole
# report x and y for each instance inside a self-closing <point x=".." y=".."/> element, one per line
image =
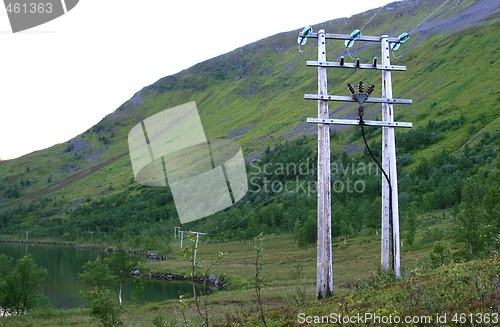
<point x="182" y="236"/>
<point x="324" y="258"/>
<point x="196" y="245"/>
<point x="385" y="231"/>
<point x="390" y="206"/>
<point x="389" y="199"/>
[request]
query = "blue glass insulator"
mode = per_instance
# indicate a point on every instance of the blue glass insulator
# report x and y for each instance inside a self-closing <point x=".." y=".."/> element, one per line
<point x="403" y="37"/>
<point x="356" y="34"/>
<point x="301" y="40"/>
<point x="395" y="46"/>
<point x="349" y="43"/>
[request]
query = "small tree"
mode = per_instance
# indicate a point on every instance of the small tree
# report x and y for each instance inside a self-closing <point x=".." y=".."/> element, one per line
<point x="24" y="285"/>
<point x="190" y="254"/>
<point x="297" y="276"/>
<point x="259" y="282"/>
<point x="470" y="227"/>
<point x="478" y="223"/>
<point x="492" y="208"/>
<point x="411" y="229"/>
<point x="441" y="254"/>
<point x="5" y="264"/>
<point x="121" y="264"/>
<point x="98" y="278"/>
<point x="306" y="233"/>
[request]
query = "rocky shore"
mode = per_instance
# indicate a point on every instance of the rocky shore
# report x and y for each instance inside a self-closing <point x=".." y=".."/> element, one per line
<point x="5" y="313"/>
<point x="211" y="280"/>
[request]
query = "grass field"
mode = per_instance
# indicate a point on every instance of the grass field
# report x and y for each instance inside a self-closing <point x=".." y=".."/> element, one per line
<point x="355" y="260"/>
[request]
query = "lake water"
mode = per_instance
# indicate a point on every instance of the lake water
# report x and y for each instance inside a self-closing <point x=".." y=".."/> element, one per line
<point x="64" y="263"/>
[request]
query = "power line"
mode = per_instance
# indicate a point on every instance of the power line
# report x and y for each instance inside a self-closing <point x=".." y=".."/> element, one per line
<point x="301" y="42"/>
<point x="270" y="162"/>
<point x="276" y="152"/>
<point x="428" y="16"/>
<point x="265" y="198"/>
<point x="263" y="117"/>
<point x="368" y="22"/>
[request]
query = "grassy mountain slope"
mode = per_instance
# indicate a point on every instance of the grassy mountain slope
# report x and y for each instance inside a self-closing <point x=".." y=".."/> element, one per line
<point x="255" y="95"/>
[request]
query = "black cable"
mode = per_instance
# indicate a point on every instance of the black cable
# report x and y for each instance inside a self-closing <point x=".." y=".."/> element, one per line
<point x="362" y="124"/>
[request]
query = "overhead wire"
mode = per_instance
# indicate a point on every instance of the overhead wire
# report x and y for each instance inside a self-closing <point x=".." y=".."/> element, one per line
<point x="265" y="113"/>
<point x="240" y="202"/>
<point x="267" y="196"/>
<point x="418" y="25"/>
<point x="276" y="152"/>
<point x="428" y="16"/>
<point x="361" y="124"/>
<point x="402" y="37"/>
<point x="346" y="49"/>
<point x="368" y="22"/>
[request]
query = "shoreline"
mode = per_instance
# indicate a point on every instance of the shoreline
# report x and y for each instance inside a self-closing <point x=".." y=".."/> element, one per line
<point x="211" y="280"/>
<point x="147" y="255"/>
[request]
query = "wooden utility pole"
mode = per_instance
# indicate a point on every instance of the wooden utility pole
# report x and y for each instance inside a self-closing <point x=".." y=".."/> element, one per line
<point x="389" y="199"/>
<point x="196" y="245"/>
<point x="182" y="235"/>
<point x="176" y="231"/>
<point x="389" y="194"/>
<point x="324" y="285"/>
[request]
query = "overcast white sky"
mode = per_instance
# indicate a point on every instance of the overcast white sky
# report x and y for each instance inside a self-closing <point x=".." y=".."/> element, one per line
<point x="61" y="78"/>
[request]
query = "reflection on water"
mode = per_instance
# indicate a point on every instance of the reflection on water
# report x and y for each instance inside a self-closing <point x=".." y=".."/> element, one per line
<point x="63" y="263"/>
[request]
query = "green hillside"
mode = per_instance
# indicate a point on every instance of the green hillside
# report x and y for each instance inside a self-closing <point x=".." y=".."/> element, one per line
<point x="448" y="183"/>
<point x="254" y="94"/>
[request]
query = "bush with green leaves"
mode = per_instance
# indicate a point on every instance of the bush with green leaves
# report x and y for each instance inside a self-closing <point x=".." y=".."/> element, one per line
<point x="99" y="280"/>
<point x="21" y="287"/>
<point x="441" y="254"/>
